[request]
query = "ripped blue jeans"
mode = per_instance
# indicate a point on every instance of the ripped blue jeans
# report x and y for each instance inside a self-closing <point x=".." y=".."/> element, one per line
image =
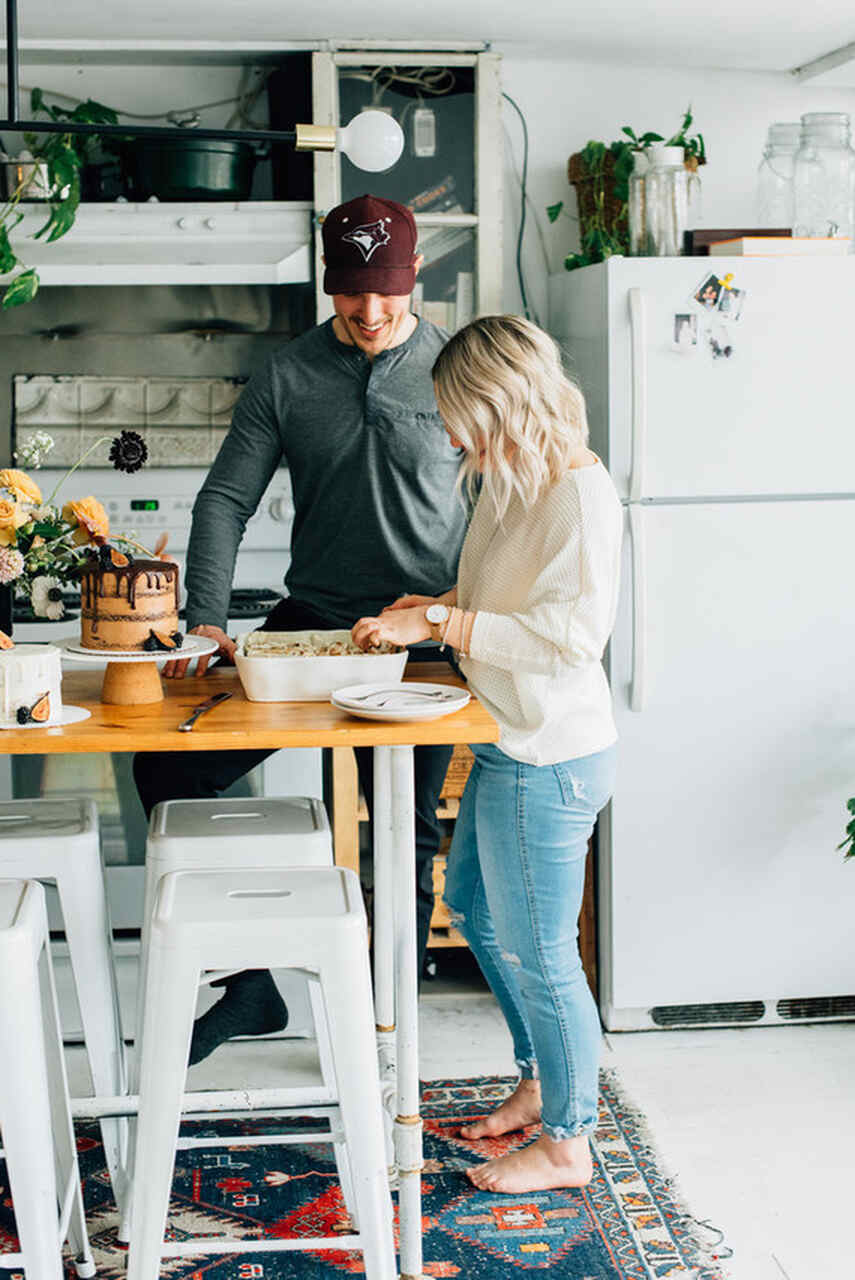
<point x="514" y="884"/>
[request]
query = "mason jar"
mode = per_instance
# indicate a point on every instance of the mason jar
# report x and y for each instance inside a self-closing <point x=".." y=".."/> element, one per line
<point x="775" y="194"/>
<point x="824" y="177"/>
<point x="666" y="186"/>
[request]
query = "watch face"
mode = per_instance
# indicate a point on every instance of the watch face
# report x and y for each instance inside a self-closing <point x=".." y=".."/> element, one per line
<point x="436" y="613"/>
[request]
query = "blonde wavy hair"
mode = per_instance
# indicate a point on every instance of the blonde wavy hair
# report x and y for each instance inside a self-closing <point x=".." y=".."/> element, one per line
<point x="500" y="387"/>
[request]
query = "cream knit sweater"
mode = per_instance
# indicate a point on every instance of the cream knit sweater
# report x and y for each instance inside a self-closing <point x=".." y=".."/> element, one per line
<point x="544" y="583"/>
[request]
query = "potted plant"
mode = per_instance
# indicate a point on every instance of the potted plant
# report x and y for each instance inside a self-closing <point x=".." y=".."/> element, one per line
<point x="600" y="174"/>
<point x="64" y="156"/>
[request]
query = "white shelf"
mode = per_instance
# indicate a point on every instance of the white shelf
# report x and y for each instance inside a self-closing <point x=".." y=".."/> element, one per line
<point x="218" y="242"/>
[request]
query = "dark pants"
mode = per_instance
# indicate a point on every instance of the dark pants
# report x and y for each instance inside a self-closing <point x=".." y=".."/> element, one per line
<point x="195" y="775"/>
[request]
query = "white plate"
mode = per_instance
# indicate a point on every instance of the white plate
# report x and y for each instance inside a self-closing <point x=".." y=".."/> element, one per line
<point x="70" y="715"/>
<point x="193" y="647"/>
<point x="414" y="700"/>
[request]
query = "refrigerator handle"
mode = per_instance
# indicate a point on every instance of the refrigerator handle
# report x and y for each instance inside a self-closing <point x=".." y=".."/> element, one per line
<point x="638" y="345"/>
<point x="638" y="681"/>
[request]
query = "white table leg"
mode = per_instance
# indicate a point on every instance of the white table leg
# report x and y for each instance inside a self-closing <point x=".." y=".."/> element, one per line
<point x="408" y="1125"/>
<point x="384" y="942"/>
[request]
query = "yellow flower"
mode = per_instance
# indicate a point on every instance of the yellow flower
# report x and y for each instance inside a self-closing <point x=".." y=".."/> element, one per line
<point x="11" y="518"/>
<point x="20" y="484"/>
<point x="90" y="518"/>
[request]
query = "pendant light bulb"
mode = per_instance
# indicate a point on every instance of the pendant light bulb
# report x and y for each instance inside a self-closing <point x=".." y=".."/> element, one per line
<point x="373" y="140"/>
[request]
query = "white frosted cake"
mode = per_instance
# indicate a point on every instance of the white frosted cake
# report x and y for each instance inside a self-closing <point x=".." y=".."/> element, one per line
<point x="30" y="680"/>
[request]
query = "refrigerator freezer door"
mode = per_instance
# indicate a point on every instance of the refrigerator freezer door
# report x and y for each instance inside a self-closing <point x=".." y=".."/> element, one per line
<point x="721" y="881"/>
<point x="774" y="417"/>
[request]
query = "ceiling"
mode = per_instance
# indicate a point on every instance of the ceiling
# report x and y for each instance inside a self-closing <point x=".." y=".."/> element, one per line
<point x="757" y="35"/>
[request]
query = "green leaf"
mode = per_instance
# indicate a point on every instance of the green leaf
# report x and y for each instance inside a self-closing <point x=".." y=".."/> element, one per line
<point x="22" y="289"/>
<point x="850" y="805"/>
<point x="37" y="102"/>
<point x="62" y="167"/>
<point x="630" y="133"/>
<point x="553" y="211"/>
<point x="7" y="253"/>
<point x="647" y="138"/>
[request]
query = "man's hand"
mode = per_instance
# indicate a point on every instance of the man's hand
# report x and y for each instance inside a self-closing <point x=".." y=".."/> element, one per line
<point x="177" y="667"/>
<point x="401" y="626"/>
<point x="413" y="602"/>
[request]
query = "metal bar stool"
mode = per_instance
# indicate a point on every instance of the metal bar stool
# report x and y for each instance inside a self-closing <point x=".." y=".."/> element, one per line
<point x="57" y="841"/>
<point x="35" y="1114"/>
<point x="311" y="918"/>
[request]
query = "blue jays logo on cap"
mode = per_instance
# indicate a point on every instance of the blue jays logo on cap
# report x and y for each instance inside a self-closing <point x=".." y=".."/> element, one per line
<point x="368" y="237"/>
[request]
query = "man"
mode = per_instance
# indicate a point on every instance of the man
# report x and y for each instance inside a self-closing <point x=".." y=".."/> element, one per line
<point x="349" y="406"/>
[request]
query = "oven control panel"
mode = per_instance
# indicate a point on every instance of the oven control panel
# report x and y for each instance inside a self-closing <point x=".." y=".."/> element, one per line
<point x="154" y="500"/>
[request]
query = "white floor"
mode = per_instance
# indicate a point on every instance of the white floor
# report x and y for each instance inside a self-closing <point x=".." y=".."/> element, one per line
<point x="756" y="1124"/>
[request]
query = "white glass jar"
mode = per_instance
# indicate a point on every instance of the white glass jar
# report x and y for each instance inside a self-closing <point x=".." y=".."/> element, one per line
<point x="638" y="206"/>
<point x="775" y="206"/>
<point x="824" y="176"/>
<point x="666" y="187"/>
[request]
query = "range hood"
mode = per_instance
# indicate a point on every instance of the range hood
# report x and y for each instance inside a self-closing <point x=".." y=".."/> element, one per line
<point x="250" y="242"/>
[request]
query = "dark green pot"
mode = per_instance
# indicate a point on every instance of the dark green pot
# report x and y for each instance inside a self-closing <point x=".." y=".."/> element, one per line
<point x="188" y="168"/>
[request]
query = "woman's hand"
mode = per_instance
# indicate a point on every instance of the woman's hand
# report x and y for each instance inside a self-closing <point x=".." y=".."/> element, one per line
<point x="401" y="626"/>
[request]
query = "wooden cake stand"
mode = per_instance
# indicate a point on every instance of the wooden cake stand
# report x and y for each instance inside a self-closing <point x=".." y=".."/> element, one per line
<point x="132" y="679"/>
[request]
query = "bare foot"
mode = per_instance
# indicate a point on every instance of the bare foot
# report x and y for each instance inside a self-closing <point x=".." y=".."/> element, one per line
<point x="541" y="1166"/>
<point x="517" y="1111"/>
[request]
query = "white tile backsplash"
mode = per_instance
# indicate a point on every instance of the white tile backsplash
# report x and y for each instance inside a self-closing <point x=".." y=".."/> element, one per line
<point x="183" y="420"/>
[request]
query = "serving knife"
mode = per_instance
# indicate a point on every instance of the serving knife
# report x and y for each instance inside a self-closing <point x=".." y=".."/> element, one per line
<point x="187" y="725"/>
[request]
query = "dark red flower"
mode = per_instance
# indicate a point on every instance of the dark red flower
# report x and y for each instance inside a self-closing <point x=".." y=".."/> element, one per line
<point x="128" y="451"/>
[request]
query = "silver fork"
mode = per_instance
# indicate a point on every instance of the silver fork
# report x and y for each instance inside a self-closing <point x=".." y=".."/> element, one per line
<point x="403" y="690"/>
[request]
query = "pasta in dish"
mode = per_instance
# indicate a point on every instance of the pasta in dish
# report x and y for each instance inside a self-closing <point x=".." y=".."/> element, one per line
<point x="305" y="644"/>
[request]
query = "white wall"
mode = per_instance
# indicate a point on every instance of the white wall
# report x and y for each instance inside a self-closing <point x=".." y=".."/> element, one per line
<point x="566" y="103"/>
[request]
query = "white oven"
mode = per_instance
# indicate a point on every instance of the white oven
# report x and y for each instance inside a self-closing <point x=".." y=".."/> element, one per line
<point x="148" y="503"/>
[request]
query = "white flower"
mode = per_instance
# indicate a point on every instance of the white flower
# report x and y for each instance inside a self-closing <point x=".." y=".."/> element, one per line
<point x="35" y="449"/>
<point x="45" y="515"/>
<point x="11" y="565"/>
<point x="43" y="605"/>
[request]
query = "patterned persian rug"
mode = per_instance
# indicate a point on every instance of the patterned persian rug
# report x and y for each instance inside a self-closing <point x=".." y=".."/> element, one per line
<point x="626" y="1225"/>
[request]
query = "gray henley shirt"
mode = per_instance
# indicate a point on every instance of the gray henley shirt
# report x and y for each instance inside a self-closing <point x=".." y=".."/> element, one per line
<point x="372" y="473"/>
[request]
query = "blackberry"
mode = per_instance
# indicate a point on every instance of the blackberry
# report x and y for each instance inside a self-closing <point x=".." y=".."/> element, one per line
<point x="178" y="637"/>
<point x="104" y="557"/>
<point x="22" y="715"/>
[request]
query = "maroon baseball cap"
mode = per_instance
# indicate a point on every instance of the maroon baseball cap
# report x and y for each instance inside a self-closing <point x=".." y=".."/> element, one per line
<point x="369" y="247"/>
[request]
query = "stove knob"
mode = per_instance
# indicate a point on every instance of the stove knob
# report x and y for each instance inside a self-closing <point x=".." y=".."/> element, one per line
<point x="279" y="510"/>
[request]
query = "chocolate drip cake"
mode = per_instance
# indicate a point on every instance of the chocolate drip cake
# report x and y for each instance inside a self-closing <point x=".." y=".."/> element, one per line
<point x="121" y="606"/>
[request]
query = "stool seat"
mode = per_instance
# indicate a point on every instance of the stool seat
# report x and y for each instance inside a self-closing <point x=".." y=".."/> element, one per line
<point x="35" y="1113"/>
<point x="212" y="830"/>
<point x="304" y="917"/>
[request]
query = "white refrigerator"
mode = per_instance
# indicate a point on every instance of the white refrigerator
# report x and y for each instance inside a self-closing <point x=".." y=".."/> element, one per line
<point x="722" y="898"/>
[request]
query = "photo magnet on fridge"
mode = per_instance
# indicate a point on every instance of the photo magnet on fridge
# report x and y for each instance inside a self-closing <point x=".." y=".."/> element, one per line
<point x="708" y="292"/>
<point x="730" y="302"/>
<point x="685" y="332"/>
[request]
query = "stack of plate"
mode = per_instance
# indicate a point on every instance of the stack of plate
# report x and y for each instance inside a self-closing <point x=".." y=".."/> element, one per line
<point x="410" y="701"/>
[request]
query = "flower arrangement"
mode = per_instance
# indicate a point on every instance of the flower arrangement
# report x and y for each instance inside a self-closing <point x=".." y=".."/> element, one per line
<point x="43" y="543"/>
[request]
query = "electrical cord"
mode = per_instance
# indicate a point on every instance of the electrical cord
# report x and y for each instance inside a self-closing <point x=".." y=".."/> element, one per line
<point x="523" y="182"/>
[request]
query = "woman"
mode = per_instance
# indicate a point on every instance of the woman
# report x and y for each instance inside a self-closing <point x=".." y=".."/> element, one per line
<point x="534" y="605"/>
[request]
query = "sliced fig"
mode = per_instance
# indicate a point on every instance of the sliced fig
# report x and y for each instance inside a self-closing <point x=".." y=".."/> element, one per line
<point x="161" y="640"/>
<point x="118" y="558"/>
<point x="40" y="710"/>
<point x="6" y="642"/>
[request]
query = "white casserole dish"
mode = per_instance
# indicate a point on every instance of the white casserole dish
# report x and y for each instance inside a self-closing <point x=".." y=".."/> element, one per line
<point x="312" y="678"/>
